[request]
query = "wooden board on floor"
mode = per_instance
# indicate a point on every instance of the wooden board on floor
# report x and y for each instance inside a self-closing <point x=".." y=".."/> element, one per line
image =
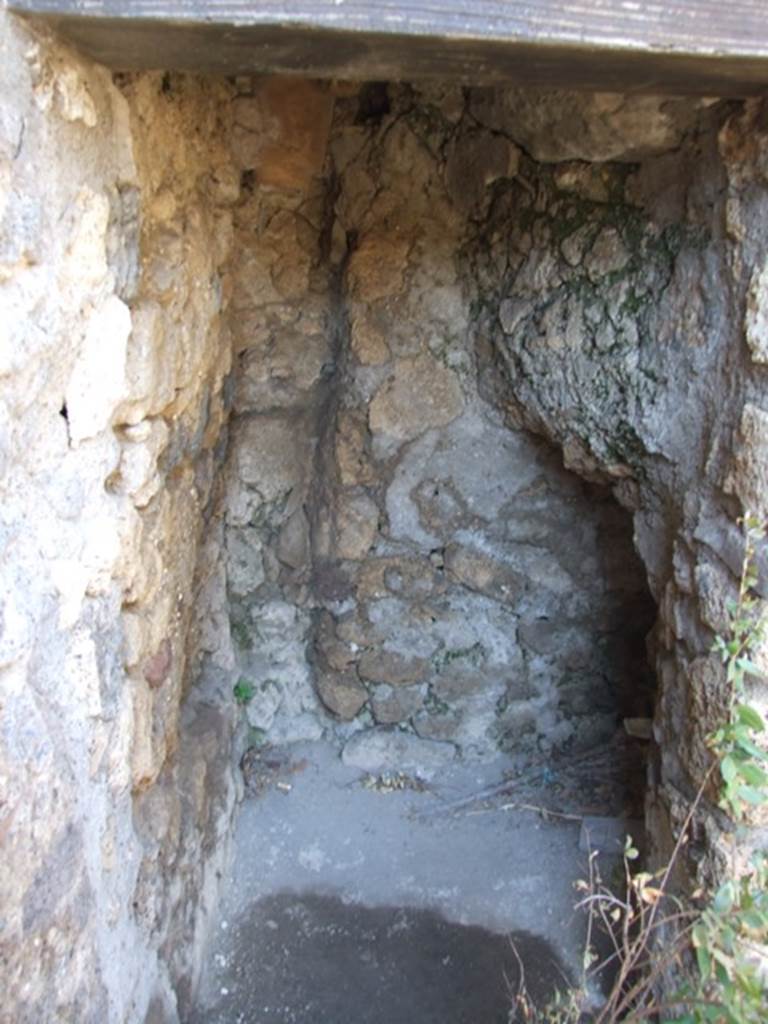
<point x="705" y="47"/>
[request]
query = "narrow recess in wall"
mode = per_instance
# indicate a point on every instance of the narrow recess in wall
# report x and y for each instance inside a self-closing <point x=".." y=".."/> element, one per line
<point x="430" y="616"/>
<point x="375" y="454"/>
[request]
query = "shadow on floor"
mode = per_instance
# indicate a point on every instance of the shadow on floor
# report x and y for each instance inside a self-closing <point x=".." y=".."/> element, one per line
<point x="313" y="959"/>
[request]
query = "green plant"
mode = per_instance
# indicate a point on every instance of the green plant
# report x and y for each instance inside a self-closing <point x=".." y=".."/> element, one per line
<point x="730" y="939"/>
<point x="745" y="782"/>
<point x="718" y="942"/>
<point x="244" y="691"/>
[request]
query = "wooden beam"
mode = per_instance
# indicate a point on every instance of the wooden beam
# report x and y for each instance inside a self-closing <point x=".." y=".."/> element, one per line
<point x="706" y="47"/>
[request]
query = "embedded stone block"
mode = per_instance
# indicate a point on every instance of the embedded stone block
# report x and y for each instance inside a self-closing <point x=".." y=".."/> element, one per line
<point x="342" y="693"/>
<point x="748" y="477"/>
<point x="97" y="383"/>
<point x="421" y="394"/>
<point x="281" y="132"/>
<point x="382" y="666"/>
<point x="756" y="317"/>
<point x="377" y="267"/>
<point x="383" y="749"/>
<point x="391" y="705"/>
<point x="357" y="523"/>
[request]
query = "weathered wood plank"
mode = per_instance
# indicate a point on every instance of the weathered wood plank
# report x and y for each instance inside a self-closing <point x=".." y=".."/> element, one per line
<point x="689" y="46"/>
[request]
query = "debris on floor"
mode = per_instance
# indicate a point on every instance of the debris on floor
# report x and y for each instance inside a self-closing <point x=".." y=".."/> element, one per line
<point x="266" y="767"/>
<point x="393" y="782"/>
<point x="346" y="908"/>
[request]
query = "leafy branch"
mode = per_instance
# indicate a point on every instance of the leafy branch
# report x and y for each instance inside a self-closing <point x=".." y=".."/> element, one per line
<point x="745" y="781"/>
<point x="717" y="944"/>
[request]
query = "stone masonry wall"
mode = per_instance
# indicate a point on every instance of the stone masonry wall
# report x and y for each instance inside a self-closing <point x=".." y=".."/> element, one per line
<point x="456" y="590"/>
<point x="474" y="598"/>
<point x="504" y="264"/>
<point x="624" y="321"/>
<point x="627" y="334"/>
<point x="284" y="343"/>
<point x="115" y="231"/>
<point x="173" y="429"/>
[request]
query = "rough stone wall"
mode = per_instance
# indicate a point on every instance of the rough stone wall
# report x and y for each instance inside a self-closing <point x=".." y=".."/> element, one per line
<point x="625" y="318"/>
<point x="485" y="612"/>
<point x="435" y="577"/>
<point x="114" y="234"/>
<point x="284" y="342"/>
<point x="173" y="427"/>
<point x="729" y="473"/>
<point x="501" y="269"/>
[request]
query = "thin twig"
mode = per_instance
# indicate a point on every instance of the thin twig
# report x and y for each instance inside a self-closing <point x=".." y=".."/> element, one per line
<point x="616" y="1002"/>
<point x="545" y="811"/>
<point x="537" y="770"/>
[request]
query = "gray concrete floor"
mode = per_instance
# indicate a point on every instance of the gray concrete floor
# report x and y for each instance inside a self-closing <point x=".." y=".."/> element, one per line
<point x="347" y="905"/>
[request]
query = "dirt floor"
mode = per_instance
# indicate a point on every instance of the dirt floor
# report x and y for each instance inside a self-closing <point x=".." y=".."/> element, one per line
<point x="358" y="899"/>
